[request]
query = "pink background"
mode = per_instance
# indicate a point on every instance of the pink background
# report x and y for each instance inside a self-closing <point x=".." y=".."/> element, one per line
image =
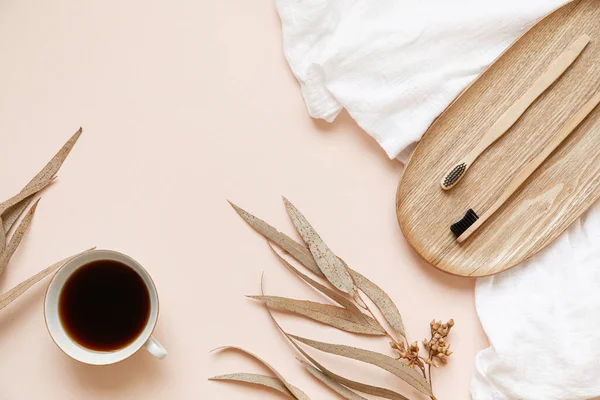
<point x="185" y="104"/>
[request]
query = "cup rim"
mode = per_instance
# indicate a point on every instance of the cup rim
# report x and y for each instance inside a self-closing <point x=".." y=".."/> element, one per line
<point x="125" y="354"/>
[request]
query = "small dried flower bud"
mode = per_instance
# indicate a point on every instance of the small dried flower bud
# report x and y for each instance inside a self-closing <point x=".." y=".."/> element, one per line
<point x="437" y="336"/>
<point x="444" y="361"/>
<point x="435" y="362"/>
<point x="427" y="361"/>
<point x="414" y="346"/>
<point x="436" y="326"/>
<point x="451" y="323"/>
<point x="448" y="353"/>
<point x="440" y="355"/>
<point x="432" y="322"/>
<point x="442" y="341"/>
<point x="401" y="345"/>
<point x="434" y="347"/>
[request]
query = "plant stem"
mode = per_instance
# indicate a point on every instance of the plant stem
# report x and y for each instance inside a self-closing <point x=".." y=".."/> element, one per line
<point x="366" y="307"/>
<point x="430" y="380"/>
<point x="429" y="372"/>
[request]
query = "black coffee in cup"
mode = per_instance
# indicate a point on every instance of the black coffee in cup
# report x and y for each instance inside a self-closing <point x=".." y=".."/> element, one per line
<point x="104" y="305"/>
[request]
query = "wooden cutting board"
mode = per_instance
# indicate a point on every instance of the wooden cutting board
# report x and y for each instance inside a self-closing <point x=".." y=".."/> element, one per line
<point x="564" y="186"/>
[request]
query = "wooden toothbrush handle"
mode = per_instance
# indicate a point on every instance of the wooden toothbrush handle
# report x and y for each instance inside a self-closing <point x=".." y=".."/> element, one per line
<point x="515" y="111"/>
<point x="530" y="168"/>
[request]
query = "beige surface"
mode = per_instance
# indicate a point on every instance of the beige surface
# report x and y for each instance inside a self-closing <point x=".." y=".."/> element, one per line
<point x="185" y="104"/>
<point x="558" y="192"/>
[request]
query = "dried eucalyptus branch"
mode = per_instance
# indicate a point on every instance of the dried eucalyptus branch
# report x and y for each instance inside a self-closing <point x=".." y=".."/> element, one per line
<point x="352" y="314"/>
<point x="12" y="209"/>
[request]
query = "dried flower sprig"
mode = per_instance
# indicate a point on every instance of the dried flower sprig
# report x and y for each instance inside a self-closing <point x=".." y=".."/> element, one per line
<point x="346" y="287"/>
<point x="438" y="347"/>
<point x="19" y="206"/>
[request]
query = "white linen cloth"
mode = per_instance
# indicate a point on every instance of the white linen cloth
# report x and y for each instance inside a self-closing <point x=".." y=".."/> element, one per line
<point x="395" y="65"/>
<point x="542" y="319"/>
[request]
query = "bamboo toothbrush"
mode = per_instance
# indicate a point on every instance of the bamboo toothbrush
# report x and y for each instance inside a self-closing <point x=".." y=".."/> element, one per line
<point x="471" y="221"/>
<point x="514" y="112"/>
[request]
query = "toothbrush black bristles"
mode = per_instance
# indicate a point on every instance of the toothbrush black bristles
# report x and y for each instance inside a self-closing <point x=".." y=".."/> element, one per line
<point x="465" y="223"/>
<point x="454" y="175"/>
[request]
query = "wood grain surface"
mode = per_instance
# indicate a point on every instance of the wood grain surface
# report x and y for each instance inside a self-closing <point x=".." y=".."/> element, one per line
<point x="563" y="187"/>
<point x="556" y="69"/>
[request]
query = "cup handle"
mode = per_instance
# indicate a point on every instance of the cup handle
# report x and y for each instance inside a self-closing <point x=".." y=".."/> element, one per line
<point x="154" y="347"/>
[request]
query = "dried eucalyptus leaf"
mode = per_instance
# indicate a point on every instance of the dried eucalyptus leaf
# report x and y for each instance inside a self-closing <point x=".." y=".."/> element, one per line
<point x="44" y="177"/>
<point x="297" y="393"/>
<point x="295" y="249"/>
<point x="337" y="317"/>
<point x="396" y="367"/>
<point x="48" y="172"/>
<point x="383" y="302"/>
<point x="360" y="387"/>
<point x="335" y="271"/>
<point x="339" y="297"/>
<point x="14" y="293"/>
<point x="2" y="239"/>
<point x="333" y="385"/>
<point x="15" y="240"/>
<point x="256" y="379"/>
<point x="13" y="213"/>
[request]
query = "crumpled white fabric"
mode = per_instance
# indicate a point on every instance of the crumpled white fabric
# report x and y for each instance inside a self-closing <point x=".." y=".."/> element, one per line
<point x="395" y="65"/>
<point x="542" y="319"/>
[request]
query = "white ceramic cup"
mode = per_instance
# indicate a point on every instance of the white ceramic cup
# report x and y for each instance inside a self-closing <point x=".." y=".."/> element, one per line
<point x="80" y="353"/>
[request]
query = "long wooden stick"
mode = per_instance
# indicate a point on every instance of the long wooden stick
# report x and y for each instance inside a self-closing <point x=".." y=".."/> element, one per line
<point x="569" y="127"/>
<point x="556" y="69"/>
